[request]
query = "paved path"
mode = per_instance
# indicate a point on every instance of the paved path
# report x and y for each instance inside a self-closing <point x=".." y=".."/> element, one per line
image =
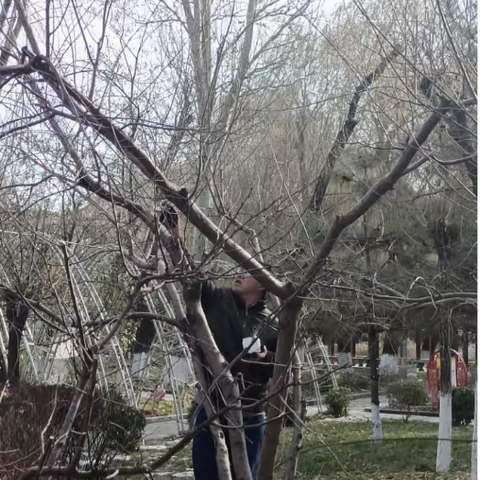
<point x="158" y="430"/>
<point x="357" y="413"/>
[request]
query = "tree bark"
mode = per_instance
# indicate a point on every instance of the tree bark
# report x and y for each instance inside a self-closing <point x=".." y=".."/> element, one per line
<point x="220" y="371"/>
<point x="4" y="12"/>
<point x="373" y="354"/>
<point x="463" y="137"/>
<point x="222" y="458"/>
<point x="344" y="352"/>
<point x="474" y="439"/>
<point x="296" y="444"/>
<point x="17" y="314"/>
<point x="286" y="340"/>
<point x="444" y="447"/>
<point x="389" y="358"/>
<point x="465" y="346"/>
<point x="3" y="370"/>
<point x="418" y="345"/>
<point x="62" y="436"/>
<point x="221" y="450"/>
<point x="346" y="131"/>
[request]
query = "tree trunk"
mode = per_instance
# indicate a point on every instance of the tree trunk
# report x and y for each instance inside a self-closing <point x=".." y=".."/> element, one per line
<point x="221" y="373"/>
<point x="455" y="345"/>
<point x="418" y="345"/>
<point x="4" y="12"/>
<point x="17" y="314"/>
<point x="389" y="358"/>
<point x="286" y="339"/>
<point x="346" y="131"/>
<point x="221" y="451"/>
<point x="474" y="440"/>
<point x="444" y="447"/>
<point x="3" y="370"/>
<point x="465" y="346"/>
<point x="296" y="445"/>
<point x="344" y="352"/>
<point x="222" y="459"/>
<point x="304" y="180"/>
<point x="373" y="354"/>
<point x="64" y="433"/>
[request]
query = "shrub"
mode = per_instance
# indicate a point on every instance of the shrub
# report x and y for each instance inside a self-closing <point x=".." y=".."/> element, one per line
<point x="123" y="425"/>
<point x="354" y="381"/>
<point x="463" y="406"/>
<point x="406" y="394"/>
<point x="326" y="383"/>
<point x="386" y="380"/>
<point x="26" y="411"/>
<point x="338" y="400"/>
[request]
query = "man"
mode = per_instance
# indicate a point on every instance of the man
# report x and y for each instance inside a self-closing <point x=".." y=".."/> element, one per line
<point x="236" y="316"/>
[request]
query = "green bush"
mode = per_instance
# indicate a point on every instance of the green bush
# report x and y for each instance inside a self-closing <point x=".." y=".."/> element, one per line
<point x="463" y="406"/>
<point x="338" y="400"/>
<point x="354" y="381"/>
<point x="124" y="425"/>
<point x="406" y="394"/>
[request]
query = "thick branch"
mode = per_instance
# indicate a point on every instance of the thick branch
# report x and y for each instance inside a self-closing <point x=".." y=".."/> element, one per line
<point x="286" y="340"/>
<point x="346" y="131"/>
<point x="226" y="382"/>
<point x="179" y="197"/>
<point x="381" y="187"/>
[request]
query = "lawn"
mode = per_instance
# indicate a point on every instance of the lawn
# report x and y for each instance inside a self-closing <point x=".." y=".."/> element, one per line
<point x="163" y="408"/>
<point x="338" y="450"/>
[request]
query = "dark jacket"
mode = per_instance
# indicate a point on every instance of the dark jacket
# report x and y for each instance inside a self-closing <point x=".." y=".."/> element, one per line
<point x="230" y="321"/>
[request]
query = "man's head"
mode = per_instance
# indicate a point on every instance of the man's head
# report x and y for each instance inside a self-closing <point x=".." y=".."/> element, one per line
<point x="248" y="288"/>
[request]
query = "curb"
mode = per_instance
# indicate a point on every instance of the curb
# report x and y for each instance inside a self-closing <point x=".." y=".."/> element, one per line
<point x="399" y="412"/>
<point x="163" y="419"/>
<point x="355" y="396"/>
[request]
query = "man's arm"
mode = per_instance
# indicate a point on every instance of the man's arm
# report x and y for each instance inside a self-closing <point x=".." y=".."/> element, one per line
<point x="210" y="293"/>
<point x="170" y="219"/>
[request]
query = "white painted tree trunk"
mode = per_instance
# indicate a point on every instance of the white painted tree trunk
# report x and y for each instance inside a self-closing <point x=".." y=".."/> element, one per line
<point x="474" y="441"/>
<point x="388" y="364"/>
<point x="139" y="363"/>
<point x="344" y="359"/>
<point x="444" y="448"/>
<point x="376" y="423"/>
<point x="424" y="355"/>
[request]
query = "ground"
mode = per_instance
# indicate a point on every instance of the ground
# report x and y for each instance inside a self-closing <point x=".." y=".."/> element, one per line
<point x="340" y="450"/>
<point x="337" y="450"/>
